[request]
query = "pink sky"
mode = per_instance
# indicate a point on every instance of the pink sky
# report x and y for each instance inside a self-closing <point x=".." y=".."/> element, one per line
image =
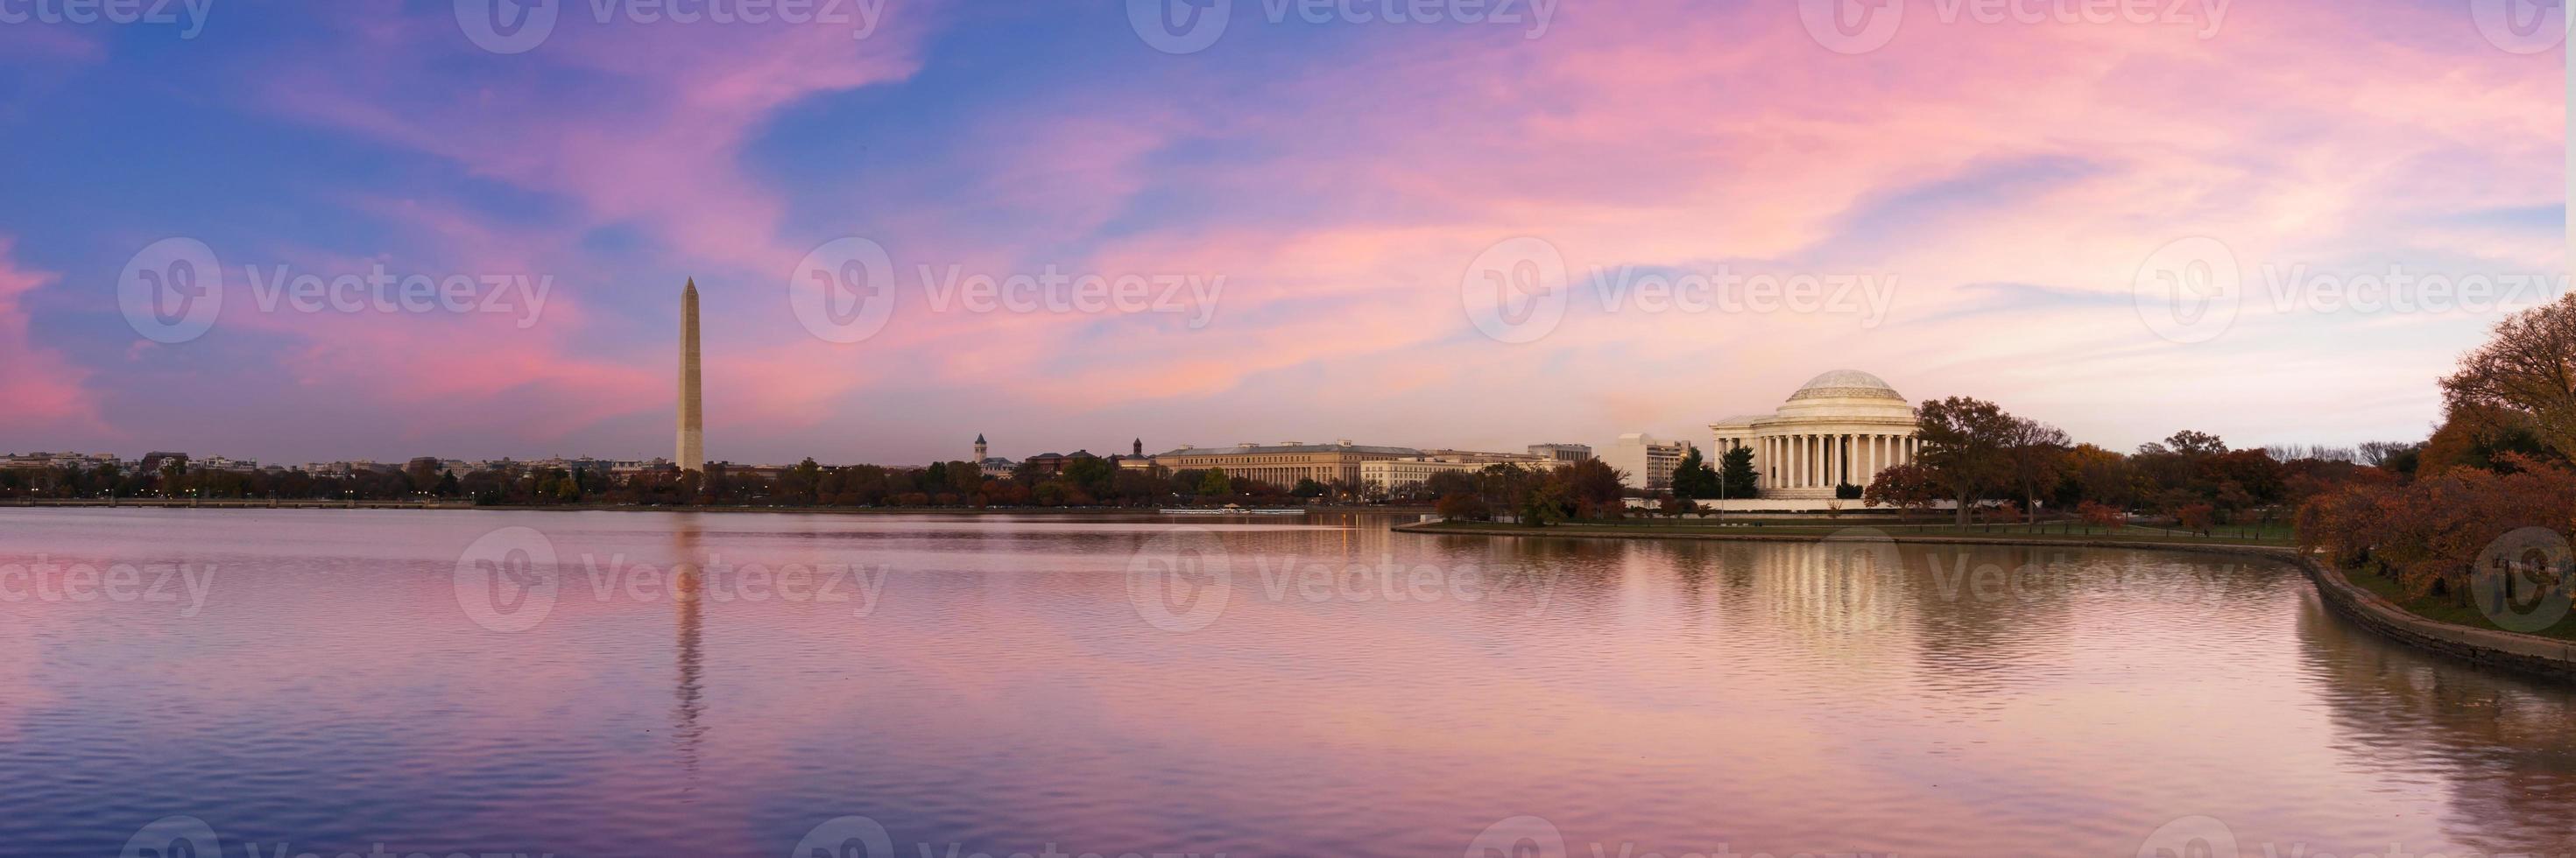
<point x="2004" y="183"/>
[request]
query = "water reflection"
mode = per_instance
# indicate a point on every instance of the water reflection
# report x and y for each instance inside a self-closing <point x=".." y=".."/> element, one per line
<point x="687" y="604"/>
<point x="1005" y="692"/>
<point x="2497" y="743"/>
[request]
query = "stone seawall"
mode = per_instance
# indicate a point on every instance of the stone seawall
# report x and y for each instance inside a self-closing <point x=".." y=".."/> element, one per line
<point x="2521" y="653"/>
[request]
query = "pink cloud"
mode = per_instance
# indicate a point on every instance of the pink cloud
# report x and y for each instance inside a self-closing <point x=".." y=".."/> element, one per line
<point x="636" y="123"/>
<point x="1343" y="203"/>
<point x="1670" y="136"/>
<point x="46" y="394"/>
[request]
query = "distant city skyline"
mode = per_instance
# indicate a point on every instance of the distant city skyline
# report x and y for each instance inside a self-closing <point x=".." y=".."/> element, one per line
<point x="1277" y="235"/>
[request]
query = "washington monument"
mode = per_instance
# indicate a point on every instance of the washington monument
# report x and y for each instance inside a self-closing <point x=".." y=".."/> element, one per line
<point x="693" y="449"/>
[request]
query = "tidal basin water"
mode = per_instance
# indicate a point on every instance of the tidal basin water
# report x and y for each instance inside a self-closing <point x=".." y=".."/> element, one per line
<point x="337" y="681"/>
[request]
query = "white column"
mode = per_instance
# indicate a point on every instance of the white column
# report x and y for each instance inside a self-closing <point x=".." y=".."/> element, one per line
<point x="1834" y="460"/>
<point x="1804" y="456"/>
<point x="1842" y="458"/>
<point x="1824" y="460"/>
<point x="1860" y="460"/>
<point x="1842" y="461"/>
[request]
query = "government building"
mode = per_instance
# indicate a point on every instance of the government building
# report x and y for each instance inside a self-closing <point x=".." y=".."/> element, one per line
<point x="1286" y="462"/>
<point x="1842" y="427"/>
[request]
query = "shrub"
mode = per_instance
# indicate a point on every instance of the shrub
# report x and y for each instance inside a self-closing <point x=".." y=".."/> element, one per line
<point x="2428" y="534"/>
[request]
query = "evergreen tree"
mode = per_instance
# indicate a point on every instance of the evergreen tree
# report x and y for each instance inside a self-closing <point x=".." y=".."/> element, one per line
<point x="1693" y="478"/>
<point x="1738" y="473"/>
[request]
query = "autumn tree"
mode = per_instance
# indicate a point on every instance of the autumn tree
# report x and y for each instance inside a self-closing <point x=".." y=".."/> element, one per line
<point x="2033" y="451"/>
<point x="1907" y="487"/>
<point x="1593" y="486"/>
<point x="2525" y="375"/>
<point x="1967" y="445"/>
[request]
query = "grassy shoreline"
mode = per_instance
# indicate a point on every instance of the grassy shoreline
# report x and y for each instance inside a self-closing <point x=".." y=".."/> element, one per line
<point x="2429" y="609"/>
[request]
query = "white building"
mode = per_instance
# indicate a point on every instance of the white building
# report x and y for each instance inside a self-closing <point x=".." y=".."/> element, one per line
<point x="1841" y="427"/>
<point x="1568" y="453"/>
<point x="1645" y="461"/>
<point x="1396" y="473"/>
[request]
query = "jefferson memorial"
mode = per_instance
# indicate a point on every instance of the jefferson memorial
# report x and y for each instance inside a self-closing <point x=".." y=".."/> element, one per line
<point x="1842" y="427"/>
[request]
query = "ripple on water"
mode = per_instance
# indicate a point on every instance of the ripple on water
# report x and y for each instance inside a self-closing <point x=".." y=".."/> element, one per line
<point x="1002" y="692"/>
